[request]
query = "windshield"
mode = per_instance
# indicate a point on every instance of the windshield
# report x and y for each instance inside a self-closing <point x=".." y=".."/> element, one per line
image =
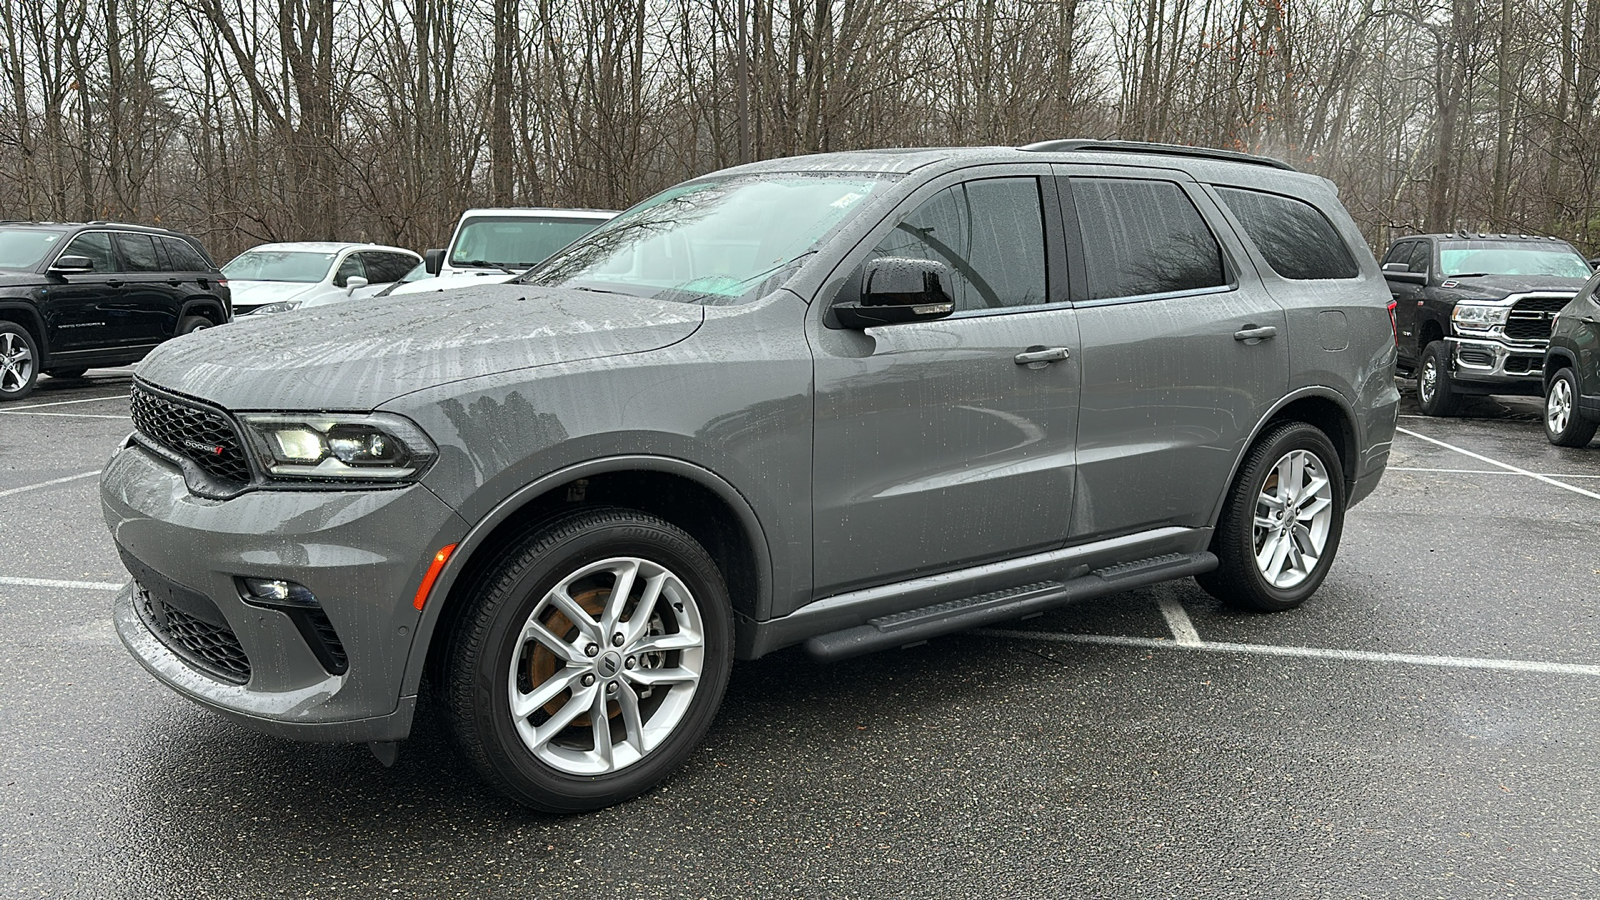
<point x="417" y="273"/>
<point x="25" y="249"/>
<point x="711" y="241"/>
<point x="299" y="266"/>
<point x="514" y="242"/>
<point x="1466" y="258"/>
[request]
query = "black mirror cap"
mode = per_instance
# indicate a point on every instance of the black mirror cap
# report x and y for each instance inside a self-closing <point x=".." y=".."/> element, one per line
<point x="433" y="261"/>
<point x="1405" y="276"/>
<point x="903" y="281"/>
<point x="72" y="265"/>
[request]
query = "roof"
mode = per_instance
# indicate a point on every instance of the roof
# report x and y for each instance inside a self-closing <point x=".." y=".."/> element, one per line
<point x="541" y="212"/>
<point x="327" y="247"/>
<point x="69" y="226"/>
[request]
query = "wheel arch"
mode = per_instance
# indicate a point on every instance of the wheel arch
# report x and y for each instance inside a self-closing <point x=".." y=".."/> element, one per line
<point x="1321" y="407"/>
<point x="695" y="499"/>
<point x="1555" y="359"/>
<point x="1428" y="331"/>
<point x="210" y="307"/>
<point x="28" y="317"/>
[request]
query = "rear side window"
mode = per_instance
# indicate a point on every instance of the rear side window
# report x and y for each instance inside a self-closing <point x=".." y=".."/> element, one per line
<point x="139" y="252"/>
<point x="184" y="257"/>
<point x="1297" y="240"/>
<point x="383" y="268"/>
<point x="1144" y="237"/>
<point x="96" y="245"/>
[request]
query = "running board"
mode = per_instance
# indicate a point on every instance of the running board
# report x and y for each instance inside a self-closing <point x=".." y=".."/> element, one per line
<point x="915" y="626"/>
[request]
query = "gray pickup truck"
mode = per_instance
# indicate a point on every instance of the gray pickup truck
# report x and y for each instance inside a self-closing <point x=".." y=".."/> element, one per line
<point x="845" y="402"/>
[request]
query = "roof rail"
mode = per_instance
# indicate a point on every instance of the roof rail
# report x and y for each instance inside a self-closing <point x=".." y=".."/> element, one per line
<point x="1094" y="146"/>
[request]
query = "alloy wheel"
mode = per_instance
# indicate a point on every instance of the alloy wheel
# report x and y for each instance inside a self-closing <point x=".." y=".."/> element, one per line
<point x="1558" y="406"/>
<point x="16" y="363"/>
<point x="1294" y="514"/>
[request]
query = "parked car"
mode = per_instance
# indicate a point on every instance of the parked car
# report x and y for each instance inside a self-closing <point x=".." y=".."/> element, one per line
<point x="1572" y="370"/>
<point x="507" y="241"/>
<point x="849" y="402"/>
<point x="79" y="296"/>
<point x="1474" y="311"/>
<point x="275" y="278"/>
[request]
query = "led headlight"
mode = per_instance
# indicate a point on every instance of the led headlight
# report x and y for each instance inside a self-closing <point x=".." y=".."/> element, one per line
<point x="1474" y="317"/>
<point x="280" y="307"/>
<point x="339" y="447"/>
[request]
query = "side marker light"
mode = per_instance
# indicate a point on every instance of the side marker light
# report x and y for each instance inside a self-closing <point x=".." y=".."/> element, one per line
<point x="439" y="559"/>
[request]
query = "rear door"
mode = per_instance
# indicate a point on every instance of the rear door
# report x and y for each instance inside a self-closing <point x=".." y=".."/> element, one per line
<point x="1183" y="350"/>
<point x="149" y="305"/>
<point x="935" y="446"/>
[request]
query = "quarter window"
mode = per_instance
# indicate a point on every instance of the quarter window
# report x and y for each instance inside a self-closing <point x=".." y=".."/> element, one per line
<point x="96" y="246"/>
<point x="1144" y="237"/>
<point x="990" y="233"/>
<point x="1297" y="240"/>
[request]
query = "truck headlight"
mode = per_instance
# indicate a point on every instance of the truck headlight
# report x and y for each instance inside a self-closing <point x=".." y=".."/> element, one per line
<point x="339" y="447"/>
<point x="1475" y="317"/>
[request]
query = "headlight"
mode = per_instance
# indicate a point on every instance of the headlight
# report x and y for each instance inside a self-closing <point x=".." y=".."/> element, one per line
<point x="1469" y="317"/>
<point x="282" y="306"/>
<point x="339" y="447"/>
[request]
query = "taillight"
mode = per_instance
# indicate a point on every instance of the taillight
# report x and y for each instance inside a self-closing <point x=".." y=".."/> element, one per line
<point x="1394" y="323"/>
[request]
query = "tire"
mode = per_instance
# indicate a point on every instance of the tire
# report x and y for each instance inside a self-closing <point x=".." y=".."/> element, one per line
<point x="19" y="362"/>
<point x="67" y="373"/>
<point x="1436" y="392"/>
<point x="1564" y="423"/>
<point x="514" y="686"/>
<point x="1250" y="524"/>
<point x="191" y="324"/>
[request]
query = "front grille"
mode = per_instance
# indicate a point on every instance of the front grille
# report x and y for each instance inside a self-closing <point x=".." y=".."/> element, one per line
<point x="1532" y="317"/>
<point x="200" y="434"/>
<point x="211" y="648"/>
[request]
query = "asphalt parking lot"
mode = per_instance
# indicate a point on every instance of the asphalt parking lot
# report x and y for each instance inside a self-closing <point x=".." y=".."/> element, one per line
<point x="1427" y="726"/>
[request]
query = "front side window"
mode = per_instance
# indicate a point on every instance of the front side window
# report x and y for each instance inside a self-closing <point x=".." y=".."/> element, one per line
<point x="298" y="266"/>
<point x="352" y="267"/>
<point x="1421" y="257"/>
<point x="1297" y="240"/>
<point x="515" y="242"/>
<point x="719" y="241"/>
<point x="1144" y="237"/>
<point x="95" y="247"/>
<point x="990" y="233"/>
<point x="1469" y="258"/>
<point x="25" y="248"/>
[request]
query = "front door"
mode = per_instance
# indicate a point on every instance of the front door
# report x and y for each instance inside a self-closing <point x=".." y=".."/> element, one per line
<point x="79" y="310"/>
<point x="935" y="447"/>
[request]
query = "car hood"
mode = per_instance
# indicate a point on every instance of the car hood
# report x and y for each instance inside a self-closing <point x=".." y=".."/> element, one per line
<point x="1499" y="287"/>
<point x="356" y="356"/>
<point x="451" y="282"/>
<point x="248" y="295"/>
<point x="15" y="277"/>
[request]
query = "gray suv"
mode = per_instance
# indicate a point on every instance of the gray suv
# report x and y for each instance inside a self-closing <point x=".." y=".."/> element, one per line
<point x="850" y="402"/>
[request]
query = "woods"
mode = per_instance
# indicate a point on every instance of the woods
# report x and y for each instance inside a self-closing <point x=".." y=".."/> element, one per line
<point x="242" y="121"/>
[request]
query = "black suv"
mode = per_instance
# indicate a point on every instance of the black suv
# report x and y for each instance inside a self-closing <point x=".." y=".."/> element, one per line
<point x="1572" y="371"/>
<point x="1473" y="311"/>
<point x="77" y="296"/>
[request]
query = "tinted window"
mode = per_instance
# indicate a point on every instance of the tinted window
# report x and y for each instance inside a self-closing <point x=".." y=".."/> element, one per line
<point x="138" y="252"/>
<point x="96" y="245"/>
<point x="1421" y="256"/>
<point x="184" y="256"/>
<point x="991" y="233"/>
<point x="350" y="268"/>
<point x="1399" y="253"/>
<point x="1144" y="237"/>
<point x="383" y="268"/>
<point x="1297" y="240"/>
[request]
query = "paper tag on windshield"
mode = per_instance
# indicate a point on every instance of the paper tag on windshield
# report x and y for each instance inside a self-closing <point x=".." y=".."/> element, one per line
<point x="846" y="200"/>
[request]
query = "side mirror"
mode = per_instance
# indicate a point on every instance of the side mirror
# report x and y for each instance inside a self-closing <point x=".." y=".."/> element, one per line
<point x="896" y="289"/>
<point x="72" y="265"/>
<point x="353" y="284"/>
<point x="1401" y="272"/>
<point x="432" y="261"/>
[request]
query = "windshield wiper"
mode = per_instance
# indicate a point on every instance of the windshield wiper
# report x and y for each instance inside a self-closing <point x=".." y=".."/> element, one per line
<point x="1472" y="275"/>
<point x="485" y="264"/>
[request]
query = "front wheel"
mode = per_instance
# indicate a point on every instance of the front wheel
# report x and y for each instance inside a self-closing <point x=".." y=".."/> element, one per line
<point x="1564" y="424"/>
<point x="591" y="661"/>
<point x="1281" y="523"/>
<point x="19" y="362"/>
<point x="1436" y="392"/>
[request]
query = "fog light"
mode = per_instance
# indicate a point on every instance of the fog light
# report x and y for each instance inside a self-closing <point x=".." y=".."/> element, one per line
<point x="277" y="592"/>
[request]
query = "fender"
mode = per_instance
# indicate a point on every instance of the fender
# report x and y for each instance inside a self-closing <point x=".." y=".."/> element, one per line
<point x="480" y="531"/>
<point x="198" y="303"/>
<point x="1320" y="391"/>
<point x="31" y="314"/>
<point x="1557" y="353"/>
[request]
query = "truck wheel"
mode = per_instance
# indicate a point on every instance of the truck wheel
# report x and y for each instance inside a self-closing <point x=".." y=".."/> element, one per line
<point x="19" y="362"/>
<point x="1281" y="524"/>
<point x="591" y="660"/>
<point x="1436" y="392"/>
<point x="1564" y="424"/>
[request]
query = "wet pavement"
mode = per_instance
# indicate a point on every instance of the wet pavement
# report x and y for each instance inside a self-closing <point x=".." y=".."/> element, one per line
<point x="1426" y="726"/>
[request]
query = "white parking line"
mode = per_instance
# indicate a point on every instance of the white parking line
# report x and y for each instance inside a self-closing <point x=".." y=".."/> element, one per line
<point x="57" y="583"/>
<point x="1495" y="462"/>
<point x="1480" y="472"/>
<point x="1406" y="659"/>
<point x="13" y="409"/>
<point x="1178" y="620"/>
<point x="44" y="484"/>
<point x="62" y="415"/>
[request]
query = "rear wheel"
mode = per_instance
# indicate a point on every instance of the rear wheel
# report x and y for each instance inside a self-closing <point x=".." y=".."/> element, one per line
<point x="19" y="362"/>
<point x="1564" y="424"/>
<point x="1281" y="524"/>
<point x="190" y="324"/>
<point x="591" y="660"/>
<point x="1436" y="392"/>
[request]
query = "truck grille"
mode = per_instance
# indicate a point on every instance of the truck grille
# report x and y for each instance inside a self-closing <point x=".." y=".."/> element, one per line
<point x="1531" y="318"/>
<point x="195" y="432"/>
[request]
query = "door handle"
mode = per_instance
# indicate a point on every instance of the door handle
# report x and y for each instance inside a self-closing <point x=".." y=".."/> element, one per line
<point x="113" y="283"/>
<point x="1255" y="333"/>
<point x="1041" y="355"/>
<point x="174" y="282"/>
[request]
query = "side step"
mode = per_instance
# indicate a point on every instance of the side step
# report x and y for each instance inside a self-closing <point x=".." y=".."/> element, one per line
<point x="917" y="625"/>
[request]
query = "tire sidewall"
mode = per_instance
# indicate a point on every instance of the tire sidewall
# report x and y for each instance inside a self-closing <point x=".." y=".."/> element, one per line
<point x="521" y="773"/>
<point x="1262" y="461"/>
<point x="10" y="327"/>
<point x="1442" y="401"/>
<point x="1580" y="430"/>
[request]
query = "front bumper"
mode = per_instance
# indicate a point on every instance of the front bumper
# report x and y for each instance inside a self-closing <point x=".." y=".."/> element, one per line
<point x="1497" y="362"/>
<point x="361" y="552"/>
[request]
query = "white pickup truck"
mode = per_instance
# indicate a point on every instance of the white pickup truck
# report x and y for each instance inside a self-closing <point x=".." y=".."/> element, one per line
<point x="500" y="243"/>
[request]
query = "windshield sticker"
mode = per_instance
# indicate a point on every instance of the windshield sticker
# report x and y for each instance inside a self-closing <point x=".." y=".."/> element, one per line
<point x="848" y="199"/>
